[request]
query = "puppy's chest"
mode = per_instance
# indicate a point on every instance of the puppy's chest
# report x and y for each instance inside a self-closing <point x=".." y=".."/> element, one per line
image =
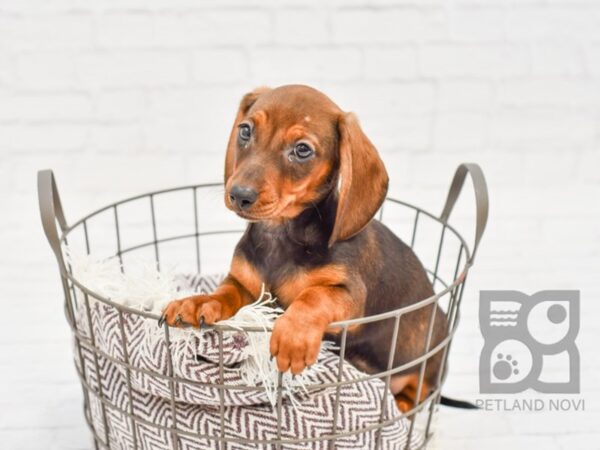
<point x="284" y="269"/>
<point x="282" y="277"/>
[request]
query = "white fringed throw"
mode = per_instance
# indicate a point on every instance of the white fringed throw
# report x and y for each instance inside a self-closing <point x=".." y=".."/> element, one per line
<point x="193" y="355"/>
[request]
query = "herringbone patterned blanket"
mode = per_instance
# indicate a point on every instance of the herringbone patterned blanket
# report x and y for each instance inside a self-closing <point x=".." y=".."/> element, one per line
<point x="193" y="406"/>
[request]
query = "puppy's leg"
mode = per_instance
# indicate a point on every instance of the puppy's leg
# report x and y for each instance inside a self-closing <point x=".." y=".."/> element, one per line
<point x="239" y="288"/>
<point x="298" y="333"/>
<point x="227" y="299"/>
<point x="404" y="388"/>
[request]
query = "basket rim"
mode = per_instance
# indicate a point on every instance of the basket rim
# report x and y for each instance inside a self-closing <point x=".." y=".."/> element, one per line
<point x="449" y="287"/>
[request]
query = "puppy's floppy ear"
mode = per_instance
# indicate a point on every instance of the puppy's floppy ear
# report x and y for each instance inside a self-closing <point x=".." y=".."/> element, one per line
<point x="362" y="180"/>
<point x="247" y="101"/>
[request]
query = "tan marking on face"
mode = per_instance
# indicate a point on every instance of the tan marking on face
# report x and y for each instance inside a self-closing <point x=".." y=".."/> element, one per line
<point x="247" y="275"/>
<point x="294" y="133"/>
<point x="332" y="275"/>
<point x="295" y="197"/>
<point x="300" y="133"/>
<point x="259" y="118"/>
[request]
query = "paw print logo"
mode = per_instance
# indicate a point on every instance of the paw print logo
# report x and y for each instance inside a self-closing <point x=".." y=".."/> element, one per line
<point x="505" y="367"/>
<point x="510" y="362"/>
<point x="524" y="336"/>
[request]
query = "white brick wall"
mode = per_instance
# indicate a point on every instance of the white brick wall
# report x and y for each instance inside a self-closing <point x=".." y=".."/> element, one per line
<point x="93" y="89"/>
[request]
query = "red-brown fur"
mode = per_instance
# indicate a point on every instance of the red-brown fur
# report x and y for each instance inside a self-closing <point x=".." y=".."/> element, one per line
<point x="312" y="240"/>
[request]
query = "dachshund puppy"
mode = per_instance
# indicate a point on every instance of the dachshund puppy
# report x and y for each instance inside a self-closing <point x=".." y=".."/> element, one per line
<point x="309" y="182"/>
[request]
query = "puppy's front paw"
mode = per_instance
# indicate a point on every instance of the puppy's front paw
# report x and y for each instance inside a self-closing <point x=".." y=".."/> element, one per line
<point x="194" y="311"/>
<point x="295" y="343"/>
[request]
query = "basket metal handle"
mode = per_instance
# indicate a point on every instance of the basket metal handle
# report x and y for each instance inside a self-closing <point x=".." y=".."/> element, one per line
<point x="481" y="199"/>
<point x="51" y="212"/>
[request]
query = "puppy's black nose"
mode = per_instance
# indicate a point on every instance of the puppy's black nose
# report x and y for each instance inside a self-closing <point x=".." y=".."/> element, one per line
<point x="242" y="196"/>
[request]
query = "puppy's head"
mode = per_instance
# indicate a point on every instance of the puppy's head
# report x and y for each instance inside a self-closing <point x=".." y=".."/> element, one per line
<point x="289" y="148"/>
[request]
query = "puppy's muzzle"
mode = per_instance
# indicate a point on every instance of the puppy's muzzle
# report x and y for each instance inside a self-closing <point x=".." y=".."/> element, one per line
<point x="243" y="197"/>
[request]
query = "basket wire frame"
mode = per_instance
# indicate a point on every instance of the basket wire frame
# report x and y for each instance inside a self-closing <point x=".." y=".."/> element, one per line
<point x="52" y="213"/>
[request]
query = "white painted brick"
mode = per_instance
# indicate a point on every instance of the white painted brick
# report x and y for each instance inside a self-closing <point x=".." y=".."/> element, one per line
<point x="46" y="70"/>
<point x="593" y="58"/>
<point x="113" y="138"/>
<point x="119" y="105"/>
<point x="187" y="5"/>
<point x="125" y="5"/>
<point x="557" y="59"/>
<point x="431" y="169"/>
<point x="462" y="132"/>
<point x="170" y="30"/>
<point x="392" y="26"/>
<point x="203" y="167"/>
<point x="494" y="424"/>
<point x="553" y="420"/>
<point x="580" y="440"/>
<point x="113" y="173"/>
<point x="397" y="3"/>
<point x="398" y="135"/>
<point x="561" y="168"/>
<point x="553" y="23"/>
<point x="173" y="135"/>
<point x="529" y="23"/>
<point x="477" y="24"/>
<point x="572" y="200"/>
<point x="55" y="31"/>
<point x="435" y="26"/>
<point x="25" y="167"/>
<point x="547" y="128"/>
<point x="42" y="137"/>
<point x="219" y="66"/>
<point x="390" y="63"/>
<point x="224" y="101"/>
<point x="548" y="92"/>
<point x="590" y="162"/>
<point x="22" y="416"/>
<point x="228" y="27"/>
<point x="6" y="176"/>
<point x="283" y="66"/>
<point x="33" y="7"/>
<point x="70" y="438"/>
<point x="171" y="102"/>
<point x="375" y="100"/>
<point x="302" y="27"/>
<point x="199" y="128"/>
<point x="502" y="442"/>
<point x="465" y="95"/>
<point x="497" y="60"/>
<point x="561" y="232"/>
<point x="10" y="27"/>
<point x="50" y="107"/>
<point x="7" y="68"/>
<point x="126" y="69"/>
<point x="126" y="30"/>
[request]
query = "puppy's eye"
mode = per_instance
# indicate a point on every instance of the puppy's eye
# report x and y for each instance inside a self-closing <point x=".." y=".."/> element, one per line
<point x="244" y="132"/>
<point x="303" y="151"/>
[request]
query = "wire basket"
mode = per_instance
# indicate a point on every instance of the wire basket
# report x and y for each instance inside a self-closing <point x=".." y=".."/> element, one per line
<point x="203" y="242"/>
